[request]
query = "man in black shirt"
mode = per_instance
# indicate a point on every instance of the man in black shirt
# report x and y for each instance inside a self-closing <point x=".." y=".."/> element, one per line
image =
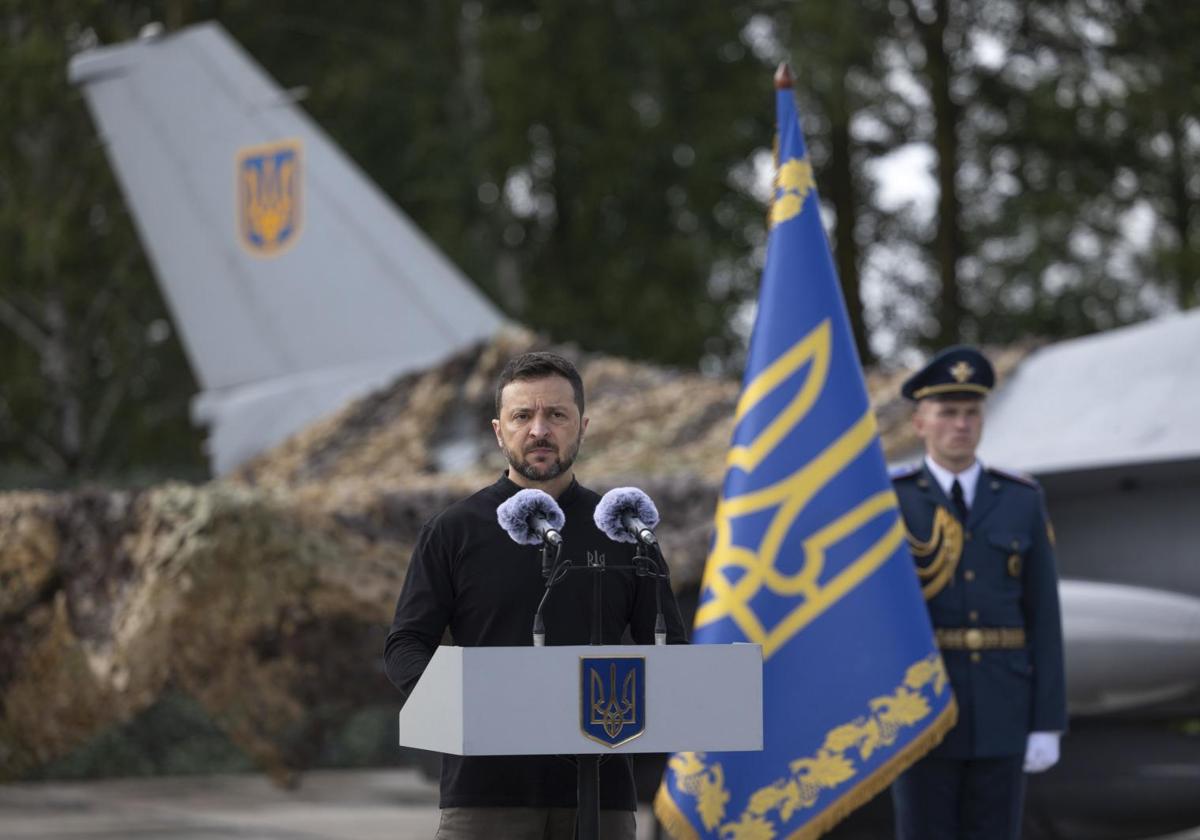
<point x="468" y="576"/>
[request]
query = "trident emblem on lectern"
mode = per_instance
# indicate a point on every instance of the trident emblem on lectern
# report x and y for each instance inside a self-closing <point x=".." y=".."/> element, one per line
<point x="613" y="699"/>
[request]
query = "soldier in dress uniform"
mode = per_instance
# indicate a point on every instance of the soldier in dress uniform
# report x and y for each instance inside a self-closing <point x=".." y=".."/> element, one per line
<point x="984" y="556"/>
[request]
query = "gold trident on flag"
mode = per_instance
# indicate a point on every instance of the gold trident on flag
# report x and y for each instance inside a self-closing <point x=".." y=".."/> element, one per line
<point x="789" y="496"/>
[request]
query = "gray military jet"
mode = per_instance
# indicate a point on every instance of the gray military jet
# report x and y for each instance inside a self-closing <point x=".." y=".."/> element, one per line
<point x="1109" y="424"/>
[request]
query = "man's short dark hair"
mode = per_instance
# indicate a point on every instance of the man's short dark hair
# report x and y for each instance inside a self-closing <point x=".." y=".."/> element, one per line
<point x="539" y="365"/>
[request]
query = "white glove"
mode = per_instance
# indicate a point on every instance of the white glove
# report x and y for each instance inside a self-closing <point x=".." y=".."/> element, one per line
<point x="1041" y="751"/>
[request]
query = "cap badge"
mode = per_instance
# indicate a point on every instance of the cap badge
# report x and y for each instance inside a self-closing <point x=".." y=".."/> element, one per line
<point x="961" y="372"/>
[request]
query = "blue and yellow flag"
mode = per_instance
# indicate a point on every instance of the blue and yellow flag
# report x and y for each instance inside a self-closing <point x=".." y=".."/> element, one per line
<point x="810" y="561"/>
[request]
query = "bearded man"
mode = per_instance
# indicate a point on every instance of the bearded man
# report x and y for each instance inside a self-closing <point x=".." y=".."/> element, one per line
<point x="468" y="577"/>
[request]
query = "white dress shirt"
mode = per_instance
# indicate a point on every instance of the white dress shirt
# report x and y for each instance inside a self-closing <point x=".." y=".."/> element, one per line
<point x="968" y="478"/>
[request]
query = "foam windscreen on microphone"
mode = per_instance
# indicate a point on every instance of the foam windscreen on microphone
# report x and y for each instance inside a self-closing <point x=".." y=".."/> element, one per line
<point x="615" y="504"/>
<point x="514" y="515"/>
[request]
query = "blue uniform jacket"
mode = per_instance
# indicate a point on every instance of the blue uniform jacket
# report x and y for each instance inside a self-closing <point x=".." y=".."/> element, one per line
<point x="1004" y="578"/>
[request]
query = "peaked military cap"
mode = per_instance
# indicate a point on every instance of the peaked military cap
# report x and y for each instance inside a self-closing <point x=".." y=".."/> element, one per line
<point x="955" y="371"/>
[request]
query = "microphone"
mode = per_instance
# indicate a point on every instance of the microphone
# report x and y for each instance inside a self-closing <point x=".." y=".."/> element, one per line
<point x="626" y="514"/>
<point x="532" y="517"/>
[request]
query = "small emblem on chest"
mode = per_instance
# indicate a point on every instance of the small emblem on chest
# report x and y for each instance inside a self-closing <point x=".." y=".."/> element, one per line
<point x="1014" y="565"/>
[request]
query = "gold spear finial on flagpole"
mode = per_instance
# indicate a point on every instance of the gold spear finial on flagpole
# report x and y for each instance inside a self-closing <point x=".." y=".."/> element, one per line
<point x="783" y="76"/>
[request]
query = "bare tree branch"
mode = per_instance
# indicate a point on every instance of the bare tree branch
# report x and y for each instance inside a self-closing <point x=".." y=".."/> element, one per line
<point x="44" y="453"/>
<point x="7" y="424"/>
<point x="97" y="309"/>
<point x="23" y="327"/>
<point x="102" y="417"/>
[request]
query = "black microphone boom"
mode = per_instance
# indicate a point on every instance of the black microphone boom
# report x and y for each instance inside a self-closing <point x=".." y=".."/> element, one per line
<point x="638" y="528"/>
<point x="545" y="530"/>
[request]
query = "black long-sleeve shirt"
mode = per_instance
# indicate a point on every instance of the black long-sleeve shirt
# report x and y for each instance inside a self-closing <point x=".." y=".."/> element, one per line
<point x="467" y="575"/>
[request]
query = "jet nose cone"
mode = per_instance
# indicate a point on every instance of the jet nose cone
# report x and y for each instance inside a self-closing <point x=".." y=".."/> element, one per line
<point x="1127" y="646"/>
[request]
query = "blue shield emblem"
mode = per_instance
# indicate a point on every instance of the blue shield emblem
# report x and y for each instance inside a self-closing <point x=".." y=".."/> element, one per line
<point x="268" y="196"/>
<point x="612" y="698"/>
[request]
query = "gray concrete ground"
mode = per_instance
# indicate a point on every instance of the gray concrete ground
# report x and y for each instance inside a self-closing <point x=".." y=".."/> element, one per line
<point x="347" y="805"/>
<point x="329" y="805"/>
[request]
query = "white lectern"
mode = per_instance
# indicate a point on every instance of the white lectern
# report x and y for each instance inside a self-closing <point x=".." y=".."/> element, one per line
<point x="551" y="701"/>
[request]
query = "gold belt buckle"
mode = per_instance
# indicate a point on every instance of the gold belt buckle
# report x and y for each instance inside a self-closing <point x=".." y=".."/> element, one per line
<point x="973" y="638"/>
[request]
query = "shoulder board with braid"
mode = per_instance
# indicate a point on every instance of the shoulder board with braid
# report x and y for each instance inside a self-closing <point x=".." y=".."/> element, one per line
<point x="1014" y="475"/>
<point x="905" y="471"/>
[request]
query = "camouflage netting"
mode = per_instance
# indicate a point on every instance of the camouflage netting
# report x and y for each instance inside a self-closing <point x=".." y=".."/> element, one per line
<point x="231" y="595"/>
<point x="433" y="428"/>
<point x="265" y="597"/>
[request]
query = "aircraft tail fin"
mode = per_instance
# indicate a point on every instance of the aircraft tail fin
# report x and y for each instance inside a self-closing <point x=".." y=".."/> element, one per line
<point x="294" y="282"/>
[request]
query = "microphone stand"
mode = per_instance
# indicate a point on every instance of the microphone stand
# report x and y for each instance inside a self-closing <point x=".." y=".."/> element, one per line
<point x="596" y="566"/>
<point x="587" y="813"/>
<point x="587" y="816"/>
<point x="646" y="565"/>
<point x="553" y="573"/>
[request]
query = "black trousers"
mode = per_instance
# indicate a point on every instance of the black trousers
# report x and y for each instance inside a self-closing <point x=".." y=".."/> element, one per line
<point x="960" y="799"/>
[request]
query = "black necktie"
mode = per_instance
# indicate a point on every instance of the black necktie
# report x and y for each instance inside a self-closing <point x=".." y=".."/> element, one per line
<point x="960" y="501"/>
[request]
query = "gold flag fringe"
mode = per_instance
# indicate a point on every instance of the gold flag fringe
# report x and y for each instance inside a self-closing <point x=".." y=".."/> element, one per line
<point x="677" y="826"/>
<point x="680" y="828"/>
<point x="866" y="790"/>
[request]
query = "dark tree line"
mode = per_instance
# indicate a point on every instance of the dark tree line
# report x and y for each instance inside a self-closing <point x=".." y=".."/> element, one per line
<point x="596" y="168"/>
